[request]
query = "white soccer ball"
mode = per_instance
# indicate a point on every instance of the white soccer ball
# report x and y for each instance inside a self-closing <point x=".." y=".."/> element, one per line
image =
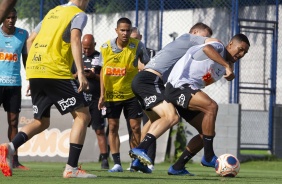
<point x="227" y="165"/>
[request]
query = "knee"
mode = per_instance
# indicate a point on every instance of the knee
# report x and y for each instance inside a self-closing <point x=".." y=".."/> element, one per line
<point x="100" y="132"/>
<point x="173" y="119"/>
<point x="212" y="107"/>
<point x="136" y="128"/>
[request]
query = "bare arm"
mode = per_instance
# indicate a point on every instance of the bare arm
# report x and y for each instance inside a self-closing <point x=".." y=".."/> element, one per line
<point x="215" y="56"/>
<point x="102" y="91"/>
<point x="5" y="8"/>
<point x="30" y="40"/>
<point x="77" y="56"/>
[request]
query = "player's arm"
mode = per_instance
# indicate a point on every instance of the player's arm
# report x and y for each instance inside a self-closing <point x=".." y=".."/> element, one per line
<point x="5" y="8"/>
<point x="143" y="57"/>
<point x="214" y="55"/>
<point x="102" y="87"/>
<point x="24" y="50"/>
<point x="32" y="36"/>
<point x="76" y="48"/>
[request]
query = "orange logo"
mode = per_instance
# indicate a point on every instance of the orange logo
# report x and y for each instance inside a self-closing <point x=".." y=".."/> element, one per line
<point x="207" y="78"/>
<point x="115" y="71"/>
<point x="8" y="56"/>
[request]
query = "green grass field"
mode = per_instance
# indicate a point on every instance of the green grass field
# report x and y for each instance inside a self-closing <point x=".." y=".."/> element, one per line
<point x="251" y="172"/>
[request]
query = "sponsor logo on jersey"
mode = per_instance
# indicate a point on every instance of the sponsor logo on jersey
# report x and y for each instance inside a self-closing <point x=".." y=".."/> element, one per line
<point x="39" y="45"/>
<point x="36" y="58"/>
<point x="8" y="80"/>
<point x="6" y="56"/>
<point x="131" y="45"/>
<point x="114" y="95"/>
<point x="115" y="71"/>
<point x="149" y="100"/>
<point x="67" y="103"/>
<point x="181" y="100"/>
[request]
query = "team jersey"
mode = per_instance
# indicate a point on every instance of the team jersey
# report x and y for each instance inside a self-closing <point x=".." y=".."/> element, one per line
<point x="50" y="55"/>
<point x="196" y="69"/>
<point x="165" y="59"/>
<point x="119" y="68"/>
<point x="89" y="62"/>
<point x="11" y="48"/>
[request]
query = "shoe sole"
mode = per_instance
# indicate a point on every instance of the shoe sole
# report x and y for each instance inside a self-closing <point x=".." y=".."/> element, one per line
<point x="4" y="165"/>
<point x="142" y="159"/>
<point x="181" y="174"/>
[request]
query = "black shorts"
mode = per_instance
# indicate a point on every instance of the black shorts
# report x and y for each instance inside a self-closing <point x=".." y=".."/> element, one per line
<point x="180" y="98"/>
<point x="97" y="121"/>
<point x="59" y="92"/>
<point x="11" y="98"/>
<point x="131" y="109"/>
<point x="149" y="89"/>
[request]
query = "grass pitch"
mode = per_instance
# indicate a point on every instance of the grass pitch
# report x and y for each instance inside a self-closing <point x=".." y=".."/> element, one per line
<point x="268" y="172"/>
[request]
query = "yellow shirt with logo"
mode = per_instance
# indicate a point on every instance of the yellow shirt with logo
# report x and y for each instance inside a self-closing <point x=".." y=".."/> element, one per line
<point x="50" y="56"/>
<point x="119" y="71"/>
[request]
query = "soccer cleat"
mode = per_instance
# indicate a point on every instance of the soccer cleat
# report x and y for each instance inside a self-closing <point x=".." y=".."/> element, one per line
<point x="105" y="164"/>
<point x="116" y="168"/>
<point x="6" y="160"/>
<point x="76" y="172"/>
<point x="152" y="167"/>
<point x="141" y="155"/>
<point x="19" y="166"/>
<point x="183" y="171"/>
<point x="138" y="166"/>
<point x="209" y="164"/>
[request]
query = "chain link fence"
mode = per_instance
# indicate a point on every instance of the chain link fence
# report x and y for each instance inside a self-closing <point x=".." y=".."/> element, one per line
<point x="162" y="21"/>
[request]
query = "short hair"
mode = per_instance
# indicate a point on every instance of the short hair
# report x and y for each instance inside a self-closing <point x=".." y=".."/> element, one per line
<point x="241" y="38"/>
<point x="135" y="30"/>
<point x="123" y="20"/>
<point x="13" y="10"/>
<point x="202" y="26"/>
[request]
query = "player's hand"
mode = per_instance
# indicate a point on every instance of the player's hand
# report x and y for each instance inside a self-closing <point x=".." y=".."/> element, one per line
<point x="101" y="103"/>
<point x="28" y="91"/>
<point x="83" y="83"/>
<point x="229" y="73"/>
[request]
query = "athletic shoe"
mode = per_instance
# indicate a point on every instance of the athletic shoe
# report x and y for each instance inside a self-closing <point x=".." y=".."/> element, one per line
<point x="151" y="167"/>
<point x="6" y="156"/>
<point x="141" y="155"/>
<point x="76" y="172"/>
<point x="19" y="166"/>
<point x="183" y="171"/>
<point x="209" y="164"/>
<point x="138" y="166"/>
<point x="105" y="164"/>
<point x="116" y="168"/>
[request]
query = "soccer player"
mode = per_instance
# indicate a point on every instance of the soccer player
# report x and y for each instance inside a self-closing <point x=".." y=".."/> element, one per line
<point x="12" y="46"/>
<point x="5" y="8"/>
<point x="48" y="68"/>
<point x="197" y="69"/>
<point x="148" y="86"/>
<point x="120" y="57"/>
<point x="92" y="68"/>
<point x="135" y="33"/>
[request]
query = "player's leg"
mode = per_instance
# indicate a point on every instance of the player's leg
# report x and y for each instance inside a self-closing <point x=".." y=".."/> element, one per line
<point x="202" y="102"/>
<point x="98" y="125"/>
<point x="113" y="113"/>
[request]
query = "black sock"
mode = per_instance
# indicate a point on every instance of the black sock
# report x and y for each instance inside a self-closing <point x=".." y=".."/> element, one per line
<point x="152" y="152"/>
<point x="116" y="158"/>
<point x="208" y="147"/>
<point x="104" y="156"/>
<point x="182" y="160"/>
<point x="15" y="159"/>
<point x="74" y="153"/>
<point x="19" y="140"/>
<point x="147" y="141"/>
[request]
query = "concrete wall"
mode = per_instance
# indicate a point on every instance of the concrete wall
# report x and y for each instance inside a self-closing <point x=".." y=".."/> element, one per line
<point x="52" y="145"/>
<point x="277" y="131"/>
